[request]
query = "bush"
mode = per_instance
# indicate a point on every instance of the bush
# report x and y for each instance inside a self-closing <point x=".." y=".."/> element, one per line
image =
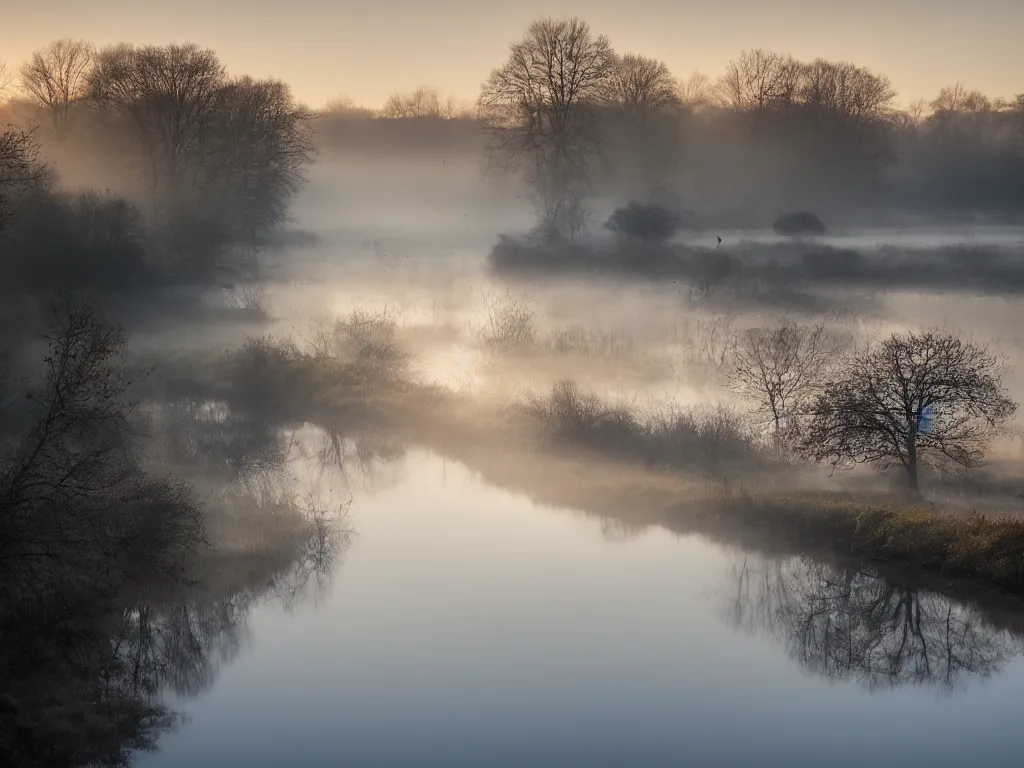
<point x="649" y="223"/>
<point x="698" y="439"/>
<point x="509" y="324"/>
<point x="365" y="343"/>
<point x="799" y="223"/>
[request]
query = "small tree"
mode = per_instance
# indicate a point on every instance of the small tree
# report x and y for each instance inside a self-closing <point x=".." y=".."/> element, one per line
<point x="872" y="411"/>
<point x="780" y="369"/>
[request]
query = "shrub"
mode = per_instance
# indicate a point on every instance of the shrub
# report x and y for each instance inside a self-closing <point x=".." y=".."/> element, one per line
<point x="509" y="324"/>
<point x="649" y="223"/>
<point x="365" y="343"/>
<point x="799" y="223"/>
<point x="698" y="439"/>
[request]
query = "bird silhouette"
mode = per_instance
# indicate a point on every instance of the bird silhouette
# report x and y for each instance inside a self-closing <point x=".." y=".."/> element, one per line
<point x="719" y="240"/>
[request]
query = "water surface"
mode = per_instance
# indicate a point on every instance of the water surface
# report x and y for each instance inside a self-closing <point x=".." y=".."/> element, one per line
<point x="467" y="626"/>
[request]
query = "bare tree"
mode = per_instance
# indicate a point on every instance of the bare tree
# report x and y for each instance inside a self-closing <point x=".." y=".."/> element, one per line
<point x="342" y="104"/>
<point x="875" y="409"/>
<point x="957" y="98"/>
<point x="758" y="81"/>
<point x="918" y="111"/>
<point x="540" y="106"/>
<point x="56" y="78"/>
<point x="20" y="168"/>
<point x="697" y="92"/>
<point x="258" y="144"/>
<point x="168" y="94"/>
<point x="781" y="368"/>
<point x="641" y="85"/>
<point x="6" y="78"/>
<point x="423" y="102"/>
<point x="76" y="505"/>
<point x="845" y="91"/>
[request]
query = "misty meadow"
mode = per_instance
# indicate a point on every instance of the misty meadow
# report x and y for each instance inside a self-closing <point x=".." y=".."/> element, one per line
<point x="621" y="416"/>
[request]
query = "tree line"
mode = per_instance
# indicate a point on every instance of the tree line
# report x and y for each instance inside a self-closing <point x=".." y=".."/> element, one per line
<point x="206" y="161"/>
<point x="574" y="114"/>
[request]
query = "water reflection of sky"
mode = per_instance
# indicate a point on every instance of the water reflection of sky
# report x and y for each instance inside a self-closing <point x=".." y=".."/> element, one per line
<point x="469" y="627"/>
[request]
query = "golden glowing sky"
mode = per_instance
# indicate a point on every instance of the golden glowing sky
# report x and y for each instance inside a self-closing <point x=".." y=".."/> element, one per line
<point x="369" y="49"/>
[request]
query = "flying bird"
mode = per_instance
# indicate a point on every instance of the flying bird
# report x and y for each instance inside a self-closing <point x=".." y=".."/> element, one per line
<point x="719" y="240"/>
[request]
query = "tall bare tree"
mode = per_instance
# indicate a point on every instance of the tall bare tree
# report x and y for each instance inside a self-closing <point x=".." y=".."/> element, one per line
<point x="697" y="92"/>
<point x="56" y="78"/>
<point x="845" y="91"/>
<point x="259" y="142"/>
<point x="872" y="409"/>
<point x="759" y="80"/>
<point x="170" y="95"/>
<point x="641" y="85"/>
<point x="779" y="369"/>
<point x="540" y="107"/>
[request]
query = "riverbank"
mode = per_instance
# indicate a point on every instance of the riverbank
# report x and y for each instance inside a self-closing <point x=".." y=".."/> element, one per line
<point x="755" y="509"/>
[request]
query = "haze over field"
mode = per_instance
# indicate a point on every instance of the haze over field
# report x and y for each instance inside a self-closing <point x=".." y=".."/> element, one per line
<point x="463" y="385"/>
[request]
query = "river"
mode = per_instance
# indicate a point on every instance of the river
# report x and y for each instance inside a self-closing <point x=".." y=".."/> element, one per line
<point x="468" y="626"/>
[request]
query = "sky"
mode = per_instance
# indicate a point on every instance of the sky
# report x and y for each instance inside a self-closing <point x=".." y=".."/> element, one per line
<point x="367" y="50"/>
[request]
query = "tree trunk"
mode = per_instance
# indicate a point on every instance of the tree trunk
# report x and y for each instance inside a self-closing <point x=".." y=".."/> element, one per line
<point x="915" y="490"/>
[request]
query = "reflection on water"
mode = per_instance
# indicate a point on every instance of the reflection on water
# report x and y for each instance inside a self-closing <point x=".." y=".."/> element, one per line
<point x="473" y="627"/>
<point x="470" y="626"/>
<point x="844" y="623"/>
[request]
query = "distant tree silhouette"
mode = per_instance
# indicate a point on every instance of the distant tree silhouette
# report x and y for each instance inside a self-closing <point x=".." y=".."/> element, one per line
<point x="541" y="106"/>
<point x="56" y="79"/>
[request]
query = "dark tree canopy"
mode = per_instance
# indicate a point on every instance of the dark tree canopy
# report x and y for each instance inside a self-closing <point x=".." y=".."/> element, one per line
<point x="869" y="412"/>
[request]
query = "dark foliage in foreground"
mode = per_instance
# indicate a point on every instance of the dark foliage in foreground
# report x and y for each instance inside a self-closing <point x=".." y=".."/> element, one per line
<point x="78" y="512"/>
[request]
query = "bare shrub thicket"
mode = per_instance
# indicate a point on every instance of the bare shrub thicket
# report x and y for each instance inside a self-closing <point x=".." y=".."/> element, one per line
<point x="509" y="324"/>
<point x="697" y="439"/>
<point x="249" y="300"/>
<point x="365" y="342"/>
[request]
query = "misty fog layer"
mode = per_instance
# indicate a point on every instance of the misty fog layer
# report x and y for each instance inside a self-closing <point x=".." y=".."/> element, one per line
<point x="516" y="432"/>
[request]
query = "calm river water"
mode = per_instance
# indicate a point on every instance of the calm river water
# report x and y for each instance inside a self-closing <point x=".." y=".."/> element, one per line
<point x="467" y="626"/>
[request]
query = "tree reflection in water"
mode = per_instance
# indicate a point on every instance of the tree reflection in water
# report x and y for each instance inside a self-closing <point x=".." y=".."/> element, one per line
<point x="86" y="684"/>
<point x="846" y="623"/>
